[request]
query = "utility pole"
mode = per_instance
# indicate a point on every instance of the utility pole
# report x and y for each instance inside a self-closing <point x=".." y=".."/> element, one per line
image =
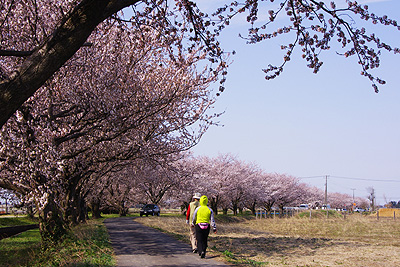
<point x="353" y="193"/>
<point x="326" y="191"/>
<point x="326" y="196"/>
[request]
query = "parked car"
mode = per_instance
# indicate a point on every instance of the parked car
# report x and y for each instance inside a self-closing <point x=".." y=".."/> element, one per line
<point x="150" y="209"/>
<point x="304" y="207"/>
<point x="359" y="210"/>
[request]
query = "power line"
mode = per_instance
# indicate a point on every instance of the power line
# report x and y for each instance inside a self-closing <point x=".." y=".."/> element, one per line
<point x="311" y="177"/>
<point x="352" y="178"/>
<point x="364" y="179"/>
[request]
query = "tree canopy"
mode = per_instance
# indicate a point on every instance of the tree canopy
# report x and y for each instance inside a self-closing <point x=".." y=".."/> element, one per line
<point x="38" y="37"/>
<point x="90" y="99"/>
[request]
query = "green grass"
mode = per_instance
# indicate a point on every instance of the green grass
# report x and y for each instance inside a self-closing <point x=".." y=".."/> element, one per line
<point x="86" y="245"/>
<point x="20" y="249"/>
<point x="231" y="258"/>
<point x="14" y="221"/>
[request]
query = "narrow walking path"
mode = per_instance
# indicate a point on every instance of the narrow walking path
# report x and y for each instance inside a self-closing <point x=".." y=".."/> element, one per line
<point x="140" y="246"/>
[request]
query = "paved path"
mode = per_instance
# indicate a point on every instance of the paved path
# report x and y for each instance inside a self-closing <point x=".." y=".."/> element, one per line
<point x="140" y="246"/>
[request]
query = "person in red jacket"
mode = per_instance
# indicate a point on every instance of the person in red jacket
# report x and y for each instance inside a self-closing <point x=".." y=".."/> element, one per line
<point x="189" y="217"/>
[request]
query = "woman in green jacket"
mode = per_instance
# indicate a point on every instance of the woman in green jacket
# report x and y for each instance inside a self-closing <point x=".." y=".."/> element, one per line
<point x="203" y="220"/>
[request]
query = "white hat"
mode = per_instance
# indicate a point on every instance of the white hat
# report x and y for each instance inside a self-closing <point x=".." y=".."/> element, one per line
<point x="197" y="195"/>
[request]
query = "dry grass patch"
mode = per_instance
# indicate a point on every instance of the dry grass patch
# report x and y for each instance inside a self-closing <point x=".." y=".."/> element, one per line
<point x="356" y="241"/>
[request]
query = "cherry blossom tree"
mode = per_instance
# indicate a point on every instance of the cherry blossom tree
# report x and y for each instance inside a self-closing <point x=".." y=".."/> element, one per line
<point x="217" y="179"/>
<point x="255" y="193"/>
<point x="234" y="184"/>
<point x="340" y="201"/>
<point x="95" y="113"/>
<point x="38" y="37"/>
<point x="241" y="177"/>
<point x="155" y="178"/>
<point x="282" y="190"/>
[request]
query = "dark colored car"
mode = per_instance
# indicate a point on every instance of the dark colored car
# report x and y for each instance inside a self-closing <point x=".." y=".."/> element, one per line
<point x="150" y="209"/>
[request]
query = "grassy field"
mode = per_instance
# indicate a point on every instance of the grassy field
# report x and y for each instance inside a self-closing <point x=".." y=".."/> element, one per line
<point x="6" y="221"/>
<point x="86" y="245"/>
<point x="298" y="241"/>
<point x="241" y="240"/>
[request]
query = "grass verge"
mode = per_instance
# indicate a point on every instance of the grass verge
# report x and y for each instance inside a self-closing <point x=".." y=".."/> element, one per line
<point x="86" y="245"/>
<point x="6" y="221"/>
<point x="19" y="250"/>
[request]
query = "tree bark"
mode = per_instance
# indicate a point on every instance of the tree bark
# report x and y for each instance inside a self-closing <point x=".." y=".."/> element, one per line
<point x="46" y="59"/>
<point x="95" y="207"/>
<point x="51" y="224"/>
<point x="214" y="204"/>
<point x="225" y="211"/>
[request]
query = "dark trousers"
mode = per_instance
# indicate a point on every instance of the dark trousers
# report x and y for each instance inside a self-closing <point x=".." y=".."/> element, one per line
<point x="202" y="236"/>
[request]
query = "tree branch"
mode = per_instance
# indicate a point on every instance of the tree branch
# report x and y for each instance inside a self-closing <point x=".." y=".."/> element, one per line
<point x="72" y="33"/>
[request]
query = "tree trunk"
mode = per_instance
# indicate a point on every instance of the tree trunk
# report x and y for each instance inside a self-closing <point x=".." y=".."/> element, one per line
<point x="184" y="207"/>
<point x="240" y="210"/>
<point x="253" y="207"/>
<point x="214" y="204"/>
<point x="51" y="224"/>
<point x="71" y="34"/>
<point x="234" y="208"/>
<point x="122" y="209"/>
<point x="95" y="207"/>
<point x="72" y="206"/>
<point x="83" y="212"/>
<point x="29" y="211"/>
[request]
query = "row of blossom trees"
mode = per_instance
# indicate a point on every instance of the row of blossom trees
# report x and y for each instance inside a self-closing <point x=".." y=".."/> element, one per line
<point x="232" y="184"/>
<point x="90" y="99"/>
<point x="116" y="103"/>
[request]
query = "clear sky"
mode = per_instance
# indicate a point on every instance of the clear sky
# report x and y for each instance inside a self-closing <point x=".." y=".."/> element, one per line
<point x="308" y="125"/>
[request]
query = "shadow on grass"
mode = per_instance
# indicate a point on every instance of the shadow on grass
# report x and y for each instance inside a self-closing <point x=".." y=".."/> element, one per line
<point x="272" y="246"/>
<point x="18" y="250"/>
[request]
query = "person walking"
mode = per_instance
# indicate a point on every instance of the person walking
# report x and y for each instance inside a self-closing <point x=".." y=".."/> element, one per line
<point x="203" y="220"/>
<point x="189" y="217"/>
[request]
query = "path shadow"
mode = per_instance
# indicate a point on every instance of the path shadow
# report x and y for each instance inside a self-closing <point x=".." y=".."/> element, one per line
<point x="134" y="238"/>
<point x="278" y="246"/>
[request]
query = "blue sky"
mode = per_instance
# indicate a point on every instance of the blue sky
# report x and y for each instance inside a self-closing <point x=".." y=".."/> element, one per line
<point x="308" y="125"/>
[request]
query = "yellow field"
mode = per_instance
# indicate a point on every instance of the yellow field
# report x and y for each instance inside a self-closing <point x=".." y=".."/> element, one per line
<point x="389" y="213"/>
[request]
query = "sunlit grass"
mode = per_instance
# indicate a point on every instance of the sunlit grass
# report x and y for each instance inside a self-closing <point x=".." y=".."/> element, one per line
<point x="6" y="221"/>
<point x="298" y="241"/>
<point x="86" y="245"/>
<point x="20" y="249"/>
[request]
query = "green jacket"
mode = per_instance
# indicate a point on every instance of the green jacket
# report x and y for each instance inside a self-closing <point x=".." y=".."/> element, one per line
<point x="204" y="214"/>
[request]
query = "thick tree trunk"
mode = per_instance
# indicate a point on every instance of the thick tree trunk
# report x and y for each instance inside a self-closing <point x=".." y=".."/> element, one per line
<point x="95" y="207"/>
<point x="83" y="211"/>
<point x="123" y="210"/>
<point x="234" y="209"/>
<point x="51" y="224"/>
<point x="253" y="207"/>
<point x="72" y="204"/>
<point x="72" y="33"/>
